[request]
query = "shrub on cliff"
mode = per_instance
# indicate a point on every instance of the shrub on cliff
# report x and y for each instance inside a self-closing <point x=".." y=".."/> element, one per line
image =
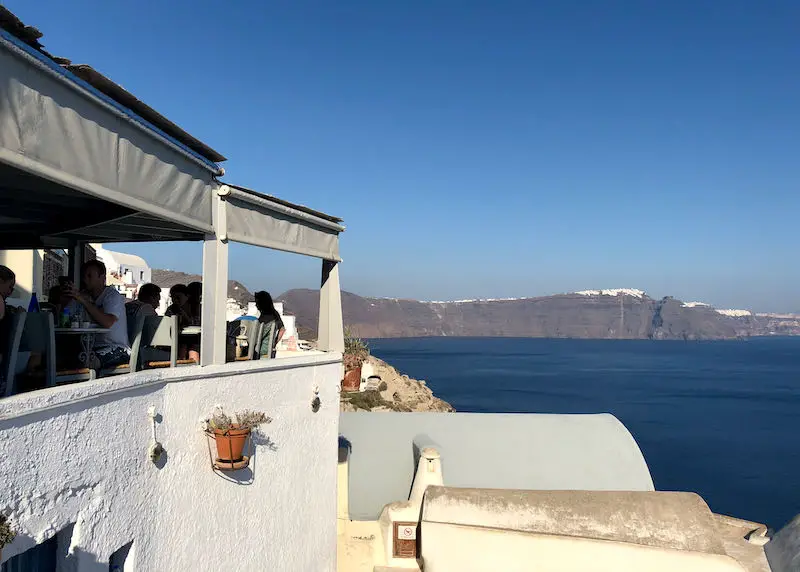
<point x="356" y="350"/>
<point x="7" y="533"/>
<point x="366" y="400"/>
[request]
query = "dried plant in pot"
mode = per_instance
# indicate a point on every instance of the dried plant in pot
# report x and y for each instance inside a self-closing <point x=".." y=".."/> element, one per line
<point x="356" y="352"/>
<point x="7" y="533"/>
<point x="231" y="433"/>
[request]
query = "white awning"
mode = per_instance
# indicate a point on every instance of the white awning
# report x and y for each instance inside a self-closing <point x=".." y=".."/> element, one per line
<point x="77" y="165"/>
<point x="55" y="126"/>
<point x="265" y="221"/>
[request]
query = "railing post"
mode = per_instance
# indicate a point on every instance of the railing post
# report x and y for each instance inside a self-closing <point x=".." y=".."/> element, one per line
<point x="331" y="328"/>
<point x="215" y="285"/>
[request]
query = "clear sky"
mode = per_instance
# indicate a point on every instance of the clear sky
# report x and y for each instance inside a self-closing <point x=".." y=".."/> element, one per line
<point x="485" y="149"/>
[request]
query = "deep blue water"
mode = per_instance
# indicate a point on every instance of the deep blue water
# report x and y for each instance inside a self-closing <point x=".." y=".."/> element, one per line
<point x="719" y="418"/>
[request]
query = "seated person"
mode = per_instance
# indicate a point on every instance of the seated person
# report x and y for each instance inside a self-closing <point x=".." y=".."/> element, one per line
<point x="188" y="345"/>
<point x="7" y="282"/>
<point x="106" y="308"/>
<point x="147" y="300"/>
<point x="179" y="295"/>
<point x="194" y="306"/>
<point x="269" y="316"/>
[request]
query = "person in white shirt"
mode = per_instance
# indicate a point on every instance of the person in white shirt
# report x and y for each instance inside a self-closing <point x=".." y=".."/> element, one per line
<point x="106" y="308"/>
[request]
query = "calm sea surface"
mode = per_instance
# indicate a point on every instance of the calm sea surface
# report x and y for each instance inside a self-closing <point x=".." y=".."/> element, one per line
<point x="718" y="418"/>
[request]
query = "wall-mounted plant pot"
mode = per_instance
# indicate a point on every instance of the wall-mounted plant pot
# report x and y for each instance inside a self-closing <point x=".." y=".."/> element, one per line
<point x="221" y="465"/>
<point x="226" y="453"/>
<point x="230" y="443"/>
<point x="352" y="379"/>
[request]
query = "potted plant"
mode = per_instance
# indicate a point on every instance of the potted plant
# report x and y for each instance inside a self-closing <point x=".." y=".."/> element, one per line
<point x="356" y="352"/>
<point x="230" y="433"/>
<point x="7" y="534"/>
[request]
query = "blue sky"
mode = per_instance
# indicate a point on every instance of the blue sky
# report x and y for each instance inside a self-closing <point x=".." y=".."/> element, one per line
<point x="485" y="149"/>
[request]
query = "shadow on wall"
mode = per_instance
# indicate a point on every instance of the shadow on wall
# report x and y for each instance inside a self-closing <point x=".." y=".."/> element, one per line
<point x="84" y="562"/>
<point x="247" y="475"/>
<point x="52" y="554"/>
<point x="345" y="448"/>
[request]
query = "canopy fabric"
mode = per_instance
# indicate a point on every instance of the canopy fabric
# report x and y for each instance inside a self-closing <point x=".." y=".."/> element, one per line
<point x="257" y="220"/>
<point x="54" y="126"/>
<point x="77" y="166"/>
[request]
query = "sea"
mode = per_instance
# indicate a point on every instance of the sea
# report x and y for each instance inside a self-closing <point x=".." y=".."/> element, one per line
<point x="720" y="418"/>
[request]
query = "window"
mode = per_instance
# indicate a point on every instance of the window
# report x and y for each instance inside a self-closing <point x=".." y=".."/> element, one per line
<point x="43" y="557"/>
<point x="122" y="559"/>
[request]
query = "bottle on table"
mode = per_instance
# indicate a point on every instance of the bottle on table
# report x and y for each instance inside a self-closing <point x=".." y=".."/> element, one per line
<point x="74" y="320"/>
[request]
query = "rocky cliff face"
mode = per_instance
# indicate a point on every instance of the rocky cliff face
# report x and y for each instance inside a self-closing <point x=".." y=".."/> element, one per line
<point x="561" y="316"/>
<point x="399" y="393"/>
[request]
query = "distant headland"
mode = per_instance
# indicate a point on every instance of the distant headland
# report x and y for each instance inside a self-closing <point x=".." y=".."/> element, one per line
<point x="620" y="313"/>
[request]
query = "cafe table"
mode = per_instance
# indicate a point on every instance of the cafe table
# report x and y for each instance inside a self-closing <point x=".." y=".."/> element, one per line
<point x="87" y="340"/>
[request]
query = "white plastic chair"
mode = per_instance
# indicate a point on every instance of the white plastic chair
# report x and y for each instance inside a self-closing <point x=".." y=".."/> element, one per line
<point x="10" y="353"/>
<point x="160" y="332"/>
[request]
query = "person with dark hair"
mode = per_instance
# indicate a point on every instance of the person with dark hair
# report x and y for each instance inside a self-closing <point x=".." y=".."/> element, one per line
<point x="188" y="345"/>
<point x="272" y="319"/>
<point x="106" y="308"/>
<point x="179" y="294"/>
<point x="194" y="304"/>
<point x="7" y="282"/>
<point x="147" y="300"/>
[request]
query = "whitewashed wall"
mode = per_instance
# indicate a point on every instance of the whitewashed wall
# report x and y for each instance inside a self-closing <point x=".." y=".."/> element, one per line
<point x="78" y="454"/>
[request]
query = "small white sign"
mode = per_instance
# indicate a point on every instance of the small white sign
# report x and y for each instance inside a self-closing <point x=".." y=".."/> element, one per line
<point x="407" y="532"/>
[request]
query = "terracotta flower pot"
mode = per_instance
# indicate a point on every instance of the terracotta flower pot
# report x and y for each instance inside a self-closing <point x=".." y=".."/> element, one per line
<point x="352" y="379"/>
<point x="230" y="444"/>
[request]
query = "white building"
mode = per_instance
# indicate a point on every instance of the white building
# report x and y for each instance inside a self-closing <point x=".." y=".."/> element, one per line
<point x="126" y="272"/>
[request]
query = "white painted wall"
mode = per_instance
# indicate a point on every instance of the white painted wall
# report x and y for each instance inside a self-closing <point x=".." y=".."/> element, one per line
<point x="78" y="454"/>
<point x="27" y="266"/>
<point x="448" y="547"/>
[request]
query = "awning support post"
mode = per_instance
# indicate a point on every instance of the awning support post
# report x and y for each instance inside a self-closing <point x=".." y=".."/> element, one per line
<point x="331" y="327"/>
<point x="215" y="288"/>
<point x="75" y="252"/>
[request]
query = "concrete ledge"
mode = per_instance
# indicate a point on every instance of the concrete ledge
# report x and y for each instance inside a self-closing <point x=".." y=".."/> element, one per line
<point x="54" y="397"/>
<point x="678" y="521"/>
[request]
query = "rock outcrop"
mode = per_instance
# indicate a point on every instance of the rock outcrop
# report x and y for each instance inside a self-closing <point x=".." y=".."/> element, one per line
<point x="400" y="393"/>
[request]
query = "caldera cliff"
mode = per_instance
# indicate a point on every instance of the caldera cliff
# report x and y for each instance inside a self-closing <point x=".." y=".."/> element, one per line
<point x="578" y="315"/>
